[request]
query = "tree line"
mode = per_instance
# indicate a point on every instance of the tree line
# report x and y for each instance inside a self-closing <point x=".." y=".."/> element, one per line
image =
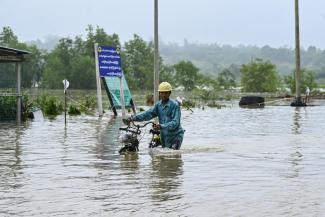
<point x="73" y="59"/>
<point x="213" y="58"/>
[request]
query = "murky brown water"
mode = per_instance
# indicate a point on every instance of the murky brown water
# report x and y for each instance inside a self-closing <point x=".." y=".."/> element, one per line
<point x="233" y="162"/>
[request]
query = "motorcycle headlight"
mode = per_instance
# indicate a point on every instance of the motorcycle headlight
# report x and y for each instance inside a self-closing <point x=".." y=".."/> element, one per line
<point x="125" y="138"/>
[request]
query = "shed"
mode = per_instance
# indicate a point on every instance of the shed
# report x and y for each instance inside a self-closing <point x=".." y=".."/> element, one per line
<point x="10" y="55"/>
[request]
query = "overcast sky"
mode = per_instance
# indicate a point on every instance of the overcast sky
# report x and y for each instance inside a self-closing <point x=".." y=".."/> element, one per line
<point x="234" y="22"/>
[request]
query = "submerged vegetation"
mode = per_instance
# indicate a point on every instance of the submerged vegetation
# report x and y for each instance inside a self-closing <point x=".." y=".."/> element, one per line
<point x="53" y="105"/>
<point x="50" y="105"/>
<point x="8" y="107"/>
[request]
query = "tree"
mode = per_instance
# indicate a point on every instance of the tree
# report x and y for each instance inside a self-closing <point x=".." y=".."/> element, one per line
<point x="58" y="64"/>
<point x="137" y="60"/>
<point x="100" y="37"/>
<point x="205" y="81"/>
<point x="8" y="37"/>
<point x="226" y="79"/>
<point x="32" y="68"/>
<point x="307" y="80"/>
<point x="167" y="73"/>
<point x="186" y="74"/>
<point x="74" y="60"/>
<point x="259" y="76"/>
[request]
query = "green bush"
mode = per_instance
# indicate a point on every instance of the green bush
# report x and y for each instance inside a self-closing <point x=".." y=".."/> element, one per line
<point x="8" y="108"/>
<point x="74" y="110"/>
<point x="27" y="107"/>
<point x="50" y="105"/>
<point x="214" y="104"/>
<point x="188" y="103"/>
<point x="88" y="104"/>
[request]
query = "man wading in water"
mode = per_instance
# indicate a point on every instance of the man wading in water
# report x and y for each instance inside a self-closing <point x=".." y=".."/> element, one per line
<point x="169" y="114"/>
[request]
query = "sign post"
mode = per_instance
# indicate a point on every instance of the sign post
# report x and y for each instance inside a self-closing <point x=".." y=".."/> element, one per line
<point x="99" y="89"/>
<point x="66" y="85"/>
<point x="108" y="64"/>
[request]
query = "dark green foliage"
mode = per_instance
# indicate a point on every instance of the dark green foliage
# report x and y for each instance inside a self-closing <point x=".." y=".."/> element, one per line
<point x="8" y="108"/>
<point x="188" y="103"/>
<point x="90" y="102"/>
<point x="259" y="76"/>
<point x="226" y="79"/>
<point x="50" y="105"/>
<point x="138" y="57"/>
<point x="73" y="59"/>
<point x="205" y="95"/>
<point x="307" y="80"/>
<point x="186" y="74"/>
<point x="74" y="110"/>
<point x="214" y="104"/>
<point x="27" y="107"/>
<point x="32" y="68"/>
<point x="207" y="82"/>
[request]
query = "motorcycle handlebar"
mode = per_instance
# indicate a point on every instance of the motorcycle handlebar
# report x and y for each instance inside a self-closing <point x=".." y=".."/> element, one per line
<point x="141" y="126"/>
<point x="136" y="127"/>
<point x="131" y="130"/>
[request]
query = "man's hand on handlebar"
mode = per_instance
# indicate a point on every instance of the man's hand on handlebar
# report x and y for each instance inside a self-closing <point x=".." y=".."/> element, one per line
<point x="127" y="121"/>
<point x="156" y="126"/>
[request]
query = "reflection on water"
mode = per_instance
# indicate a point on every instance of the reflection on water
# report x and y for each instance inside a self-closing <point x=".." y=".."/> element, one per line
<point x="233" y="162"/>
<point x="296" y="128"/>
<point x="167" y="177"/>
<point x="130" y="161"/>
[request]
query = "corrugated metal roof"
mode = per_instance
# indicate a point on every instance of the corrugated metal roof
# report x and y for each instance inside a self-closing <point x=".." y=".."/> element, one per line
<point x="12" y="55"/>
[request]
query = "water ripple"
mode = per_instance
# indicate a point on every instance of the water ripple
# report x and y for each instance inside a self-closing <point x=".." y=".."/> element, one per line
<point x="233" y="162"/>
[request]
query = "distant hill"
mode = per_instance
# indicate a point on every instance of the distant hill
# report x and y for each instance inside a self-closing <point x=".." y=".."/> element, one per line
<point x="213" y="58"/>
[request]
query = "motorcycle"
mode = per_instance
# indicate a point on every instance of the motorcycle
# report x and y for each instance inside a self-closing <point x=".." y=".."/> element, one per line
<point x="130" y="140"/>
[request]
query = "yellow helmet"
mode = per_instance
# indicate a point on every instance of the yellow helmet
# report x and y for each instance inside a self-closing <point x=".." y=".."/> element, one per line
<point x="164" y="87"/>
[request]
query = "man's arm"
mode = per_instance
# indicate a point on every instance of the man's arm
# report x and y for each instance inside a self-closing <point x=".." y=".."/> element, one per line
<point x="146" y="115"/>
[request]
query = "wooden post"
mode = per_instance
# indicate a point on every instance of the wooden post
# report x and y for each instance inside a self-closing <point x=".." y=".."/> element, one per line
<point x="99" y="89"/>
<point x="18" y="67"/>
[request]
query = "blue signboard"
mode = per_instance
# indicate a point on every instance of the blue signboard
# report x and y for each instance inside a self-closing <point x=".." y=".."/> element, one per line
<point x="109" y="61"/>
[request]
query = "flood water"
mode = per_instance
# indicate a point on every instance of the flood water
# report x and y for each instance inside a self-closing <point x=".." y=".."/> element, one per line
<point x="233" y="162"/>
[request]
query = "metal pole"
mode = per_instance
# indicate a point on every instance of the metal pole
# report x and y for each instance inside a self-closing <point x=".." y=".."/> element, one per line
<point x="156" y="54"/>
<point x="298" y="101"/>
<point x="99" y="89"/>
<point x="65" y="107"/>
<point x="18" y="93"/>
<point x="122" y="96"/>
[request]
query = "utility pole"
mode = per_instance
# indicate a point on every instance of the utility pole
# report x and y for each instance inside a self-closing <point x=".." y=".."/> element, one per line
<point x="297" y="101"/>
<point x="156" y="54"/>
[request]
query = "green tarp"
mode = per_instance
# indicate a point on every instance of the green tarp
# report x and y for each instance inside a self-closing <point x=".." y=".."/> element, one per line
<point x="112" y="86"/>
